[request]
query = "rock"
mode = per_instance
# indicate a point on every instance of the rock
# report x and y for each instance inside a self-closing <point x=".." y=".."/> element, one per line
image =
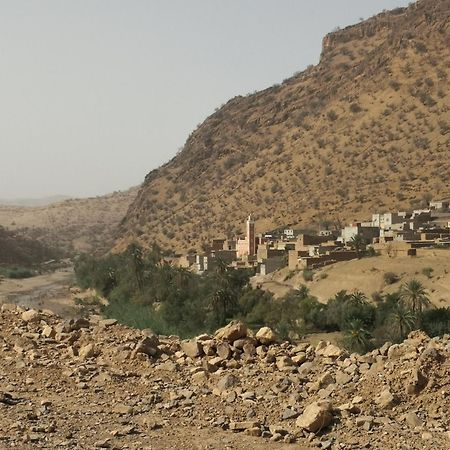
<point x="241" y="426"/>
<point x="48" y="332"/>
<point x="255" y="431"/>
<point x="386" y="399"/>
<point x="233" y="331"/>
<point x="266" y="336"/>
<point x="315" y="417"/>
<point x="332" y="351"/>
<point x="226" y="382"/>
<point x="299" y="358"/>
<point x="223" y="350"/>
<point x="30" y="316"/>
<point x="417" y="383"/>
<point x="283" y="362"/>
<point x="288" y="414"/>
<point x="122" y="409"/>
<point x="192" y="348"/>
<point x="365" y="421"/>
<point x="87" y="351"/>
<point x="199" y="377"/>
<point x="147" y="345"/>
<point x="412" y="420"/>
<point x="106" y="323"/>
<point x="342" y="377"/>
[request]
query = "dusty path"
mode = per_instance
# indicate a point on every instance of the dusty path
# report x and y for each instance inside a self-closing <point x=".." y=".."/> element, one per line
<point x="49" y="291"/>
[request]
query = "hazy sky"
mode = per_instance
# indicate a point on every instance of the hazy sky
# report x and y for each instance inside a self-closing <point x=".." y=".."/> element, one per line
<point x="96" y="93"/>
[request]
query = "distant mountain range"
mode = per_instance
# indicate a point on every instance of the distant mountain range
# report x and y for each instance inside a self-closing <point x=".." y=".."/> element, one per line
<point x="34" y="202"/>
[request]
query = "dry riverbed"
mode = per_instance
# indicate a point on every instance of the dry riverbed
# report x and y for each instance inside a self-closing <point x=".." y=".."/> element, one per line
<point x="48" y="291"/>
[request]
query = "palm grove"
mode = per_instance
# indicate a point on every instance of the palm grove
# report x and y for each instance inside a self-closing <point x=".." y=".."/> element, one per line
<point x="145" y="291"/>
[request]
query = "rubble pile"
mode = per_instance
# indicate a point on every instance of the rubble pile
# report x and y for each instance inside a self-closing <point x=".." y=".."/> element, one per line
<point x="92" y="383"/>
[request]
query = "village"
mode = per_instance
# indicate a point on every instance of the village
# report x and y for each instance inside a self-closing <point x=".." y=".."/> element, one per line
<point x="395" y="234"/>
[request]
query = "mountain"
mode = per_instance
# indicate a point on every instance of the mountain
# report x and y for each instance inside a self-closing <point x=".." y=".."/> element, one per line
<point x="367" y="129"/>
<point x="44" y="201"/>
<point x="87" y="224"/>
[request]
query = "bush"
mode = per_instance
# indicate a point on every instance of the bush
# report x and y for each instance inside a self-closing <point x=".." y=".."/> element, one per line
<point x="19" y="273"/>
<point x="428" y="272"/>
<point x="390" y="278"/>
<point x="308" y="275"/>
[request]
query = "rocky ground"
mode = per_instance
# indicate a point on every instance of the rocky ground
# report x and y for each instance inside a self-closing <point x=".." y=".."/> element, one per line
<point x="92" y="383"/>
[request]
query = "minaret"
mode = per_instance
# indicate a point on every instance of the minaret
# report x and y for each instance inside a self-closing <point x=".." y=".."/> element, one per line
<point x="251" y="236"/>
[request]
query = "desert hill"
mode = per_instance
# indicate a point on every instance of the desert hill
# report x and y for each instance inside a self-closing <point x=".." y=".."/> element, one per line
<point x="87" y="224"/>
<point x="92" y="383"/>
<point x="43" y="201"/>
<point x="367" y="129"/>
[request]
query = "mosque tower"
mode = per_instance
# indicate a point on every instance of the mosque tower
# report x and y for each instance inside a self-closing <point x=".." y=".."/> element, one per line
<point x="251" y="242"/>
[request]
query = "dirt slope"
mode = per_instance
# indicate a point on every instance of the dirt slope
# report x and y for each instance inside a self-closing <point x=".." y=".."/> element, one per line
<point x="93" y="384"/>
<point x="367" y="129"/>
<point x="367" y="275"/>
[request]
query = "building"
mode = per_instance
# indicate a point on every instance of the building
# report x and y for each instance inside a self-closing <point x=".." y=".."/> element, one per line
<point x="246" y="247"/>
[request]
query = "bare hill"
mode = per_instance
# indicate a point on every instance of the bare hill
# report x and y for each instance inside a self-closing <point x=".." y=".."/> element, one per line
<point x="73" y="225"/>
<point x="366" y="129"/>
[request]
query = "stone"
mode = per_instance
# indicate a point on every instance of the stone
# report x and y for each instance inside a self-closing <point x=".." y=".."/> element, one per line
<point x="417" y="382"/>
<point x="147" y="345"/>
<point x="266" y="336"/>
<point x="87" y="351"/>
<point x="106" y="323"/>
<point x="342" y="377"/>
<point x="299" y="358"/>
<point x="315" y="417"/>
<point x="283" y="362"/>
<point x="288" y="414"/>
<point x="233" y="331"/>
<point x="48" y="332"/>
<point x="226" y="382"/>
<point x="199" y="377"/>
<point x="122" y="409"/>
<point x="412" y="420"/>
<point x="332" y="351"/>
<point x="386" y="399"/>
<point x="192" y="348"/>
<point x="223" y="350"/>
<point x="255" y="431"/>
<point x="241" y="426"/>
<point x="30" y="316"/>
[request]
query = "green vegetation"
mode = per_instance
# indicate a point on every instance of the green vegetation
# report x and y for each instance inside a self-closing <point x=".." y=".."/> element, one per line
<point x="145" y="291"/>
<point x="17" y="272"/>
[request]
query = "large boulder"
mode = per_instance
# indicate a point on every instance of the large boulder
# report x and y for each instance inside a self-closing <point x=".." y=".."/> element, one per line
<point x="266" y="336"/>
<point x="315" y="417"/>
<point x="231" y="332"/>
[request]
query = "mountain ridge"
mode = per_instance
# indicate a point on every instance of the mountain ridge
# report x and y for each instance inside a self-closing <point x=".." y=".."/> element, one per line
<point x="366" y="129"/>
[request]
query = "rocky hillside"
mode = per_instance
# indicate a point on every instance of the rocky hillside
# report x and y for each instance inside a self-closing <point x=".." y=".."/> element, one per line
<point x="87" y="224"/>
<point x="91" y="383"/>
<point x="366" y="129"/>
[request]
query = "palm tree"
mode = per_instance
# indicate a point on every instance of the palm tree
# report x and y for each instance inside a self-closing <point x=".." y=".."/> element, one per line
<point x="357" y="338"/>
<point x="358" y="243"/>
<point x="402" y="320"/>
<point x="358" y="298"/>
<point x="415" y="296"/>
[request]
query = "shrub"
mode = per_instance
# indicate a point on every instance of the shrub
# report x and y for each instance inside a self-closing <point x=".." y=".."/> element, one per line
<point x="332" y="115"/>
<point x="390" y="278"/>
<point x="428" y="272"/>
<point x="308" y="275"/>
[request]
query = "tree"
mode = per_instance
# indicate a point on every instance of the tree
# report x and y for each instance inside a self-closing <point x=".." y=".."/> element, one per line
<point x="357" y="338"/>
<point x="358" y="243"/>
<point x="402" y="320"/>
<point x="415" y="296"/>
